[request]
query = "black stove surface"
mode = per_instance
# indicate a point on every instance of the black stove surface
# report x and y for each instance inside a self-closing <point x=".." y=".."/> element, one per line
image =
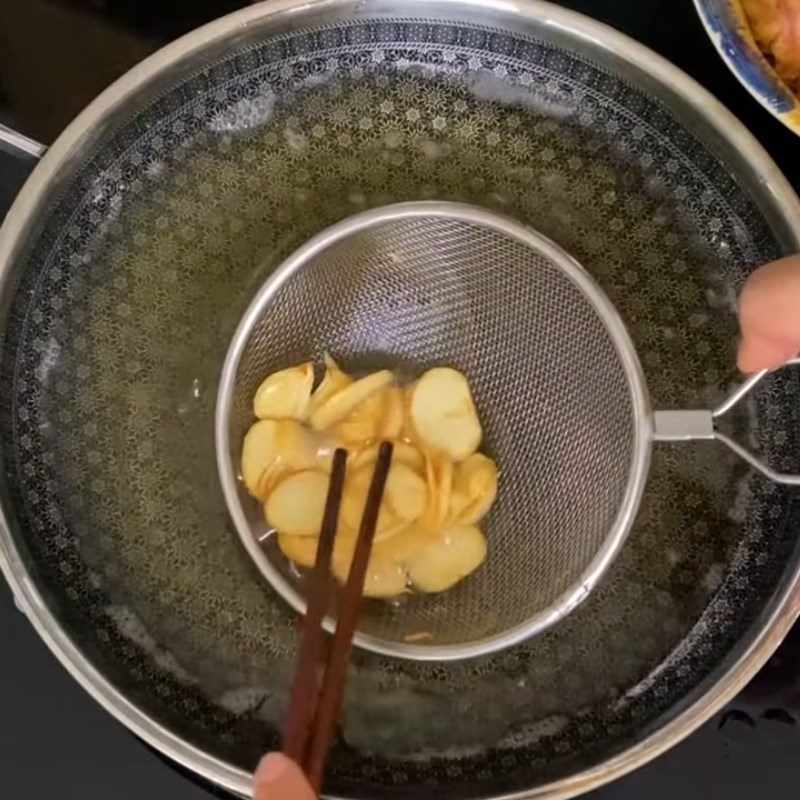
<point x="55" y="741"/>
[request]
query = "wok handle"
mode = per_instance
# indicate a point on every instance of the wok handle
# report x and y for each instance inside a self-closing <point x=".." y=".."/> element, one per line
<point x="23" y="153"/>
<point x="18" y="144"/>
<point x="693" y="425"/>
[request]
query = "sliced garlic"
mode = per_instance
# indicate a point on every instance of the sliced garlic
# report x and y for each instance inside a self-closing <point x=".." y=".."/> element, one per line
<point x="354" y="501"/>
<point x="406" y="492"/>
<point x="296" y="445"/>
<point x="384" y="577"/>
<point x="271" y="477"/>
<point x="364" y="457"/>
<point x="297" y="504"/>
<point x="300" y="549"/>
<point x="362" y="425"/>
<point x="326" y="447"/>
<point x="444" y="415"/>
<point x="393" y="413"/>
<point x="285" y="394"/>
<point x="403" y="453"/>
<point x="332" y="382"/>
<point x="474" y="489"/>
<point x="259" y="451"/>
<point x="354" y="432"/>
<point x="407" y="432"/>
<point x="425" y="532"/>
<point x="303" y="549"/>
<point x="419" y="636"/>
<point x="405" y="544"/>
<point x="410" y="455"/>
<point x="345" y="401"/>
<point x="439" y="476"/>
<point x="447" y="559"/>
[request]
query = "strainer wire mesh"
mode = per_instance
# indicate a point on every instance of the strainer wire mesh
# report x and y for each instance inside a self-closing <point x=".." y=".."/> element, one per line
<point x="556" y="382"/>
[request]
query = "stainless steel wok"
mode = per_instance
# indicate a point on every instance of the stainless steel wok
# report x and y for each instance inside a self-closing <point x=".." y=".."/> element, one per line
<point x="145" y="231"/>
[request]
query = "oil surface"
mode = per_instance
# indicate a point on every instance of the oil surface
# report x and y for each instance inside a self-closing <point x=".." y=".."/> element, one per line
<point x="165" y="294"/>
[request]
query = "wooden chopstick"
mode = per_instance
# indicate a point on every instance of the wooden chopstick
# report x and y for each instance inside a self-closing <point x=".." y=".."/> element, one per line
<point x="319" y="687"/>
<point x="310" y="657"/>
<point x="330" y="699"/>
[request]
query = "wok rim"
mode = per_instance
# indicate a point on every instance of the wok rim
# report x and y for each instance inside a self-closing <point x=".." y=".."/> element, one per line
<point x="780" y="613"/>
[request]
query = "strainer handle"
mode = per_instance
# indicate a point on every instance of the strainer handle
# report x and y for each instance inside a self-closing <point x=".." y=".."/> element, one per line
<point x="691" y="425"/>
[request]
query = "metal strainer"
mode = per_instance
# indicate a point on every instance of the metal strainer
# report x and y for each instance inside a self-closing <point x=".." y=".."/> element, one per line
<point x="556" y="379"/>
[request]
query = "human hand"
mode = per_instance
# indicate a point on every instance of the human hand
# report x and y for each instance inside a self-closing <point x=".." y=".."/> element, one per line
<point x="279" y="778"/>
<point x="769" y="316"/>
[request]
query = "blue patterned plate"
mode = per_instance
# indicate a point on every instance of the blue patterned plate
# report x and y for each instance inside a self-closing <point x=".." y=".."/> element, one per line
<point x="724" y="20"/>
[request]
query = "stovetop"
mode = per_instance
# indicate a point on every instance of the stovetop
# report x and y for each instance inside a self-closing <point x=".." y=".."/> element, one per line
<point x="55" y="741"/>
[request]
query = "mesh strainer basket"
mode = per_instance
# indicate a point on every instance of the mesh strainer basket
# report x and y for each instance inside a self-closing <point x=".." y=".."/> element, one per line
<point x="556" y="379"/>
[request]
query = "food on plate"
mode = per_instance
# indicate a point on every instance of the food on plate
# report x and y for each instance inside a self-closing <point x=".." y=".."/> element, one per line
<point x="776" y="28"/>
<point x="438" y="489"/>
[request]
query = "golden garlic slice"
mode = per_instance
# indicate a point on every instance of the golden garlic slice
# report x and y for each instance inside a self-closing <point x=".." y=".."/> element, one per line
<point x="384" y="577"/>
<point x="326" y="447"/>
<point x="345" y="401"/>
<point x="271" y="477"/>
<point x="332" y="382"/>
<point x="354" y="500"/>
<point x="405" y="544"/>
<point x="403" y="453"/>
<point x="444" y="415"/>
<point x="437" y="488"/>
<point x="393" y="413"/>
<point x="354" y="432"/>
<point x="447" y="559"/>
<point x="297" y="503"/>
<point x="365" y="457"/>
<point x="303" y="549"/>
<point x="362" y="424"/>
<point x="285" y="394"/>
<point x="407" y="432"/>
<point x="439" y="476"/>
<point x="300" y="549"/>
<point x="410" y="455"/>
<point x="406" y="493"/>
<point x="418" y="636"/>
<point x="371" y="408"/>
<point x="259" y="451"/>
<point x="296" y="445"/>
<point x="474" y="489"/>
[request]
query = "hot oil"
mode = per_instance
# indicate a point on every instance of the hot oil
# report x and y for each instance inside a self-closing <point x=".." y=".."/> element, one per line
<point x="166" y="292"/>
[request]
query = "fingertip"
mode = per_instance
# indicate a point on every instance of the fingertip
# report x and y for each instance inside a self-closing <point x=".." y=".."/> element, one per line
<point x="768" y="310"/>
<point x="757" y="353"/>
<point x="277" y="777"/>
<point x="272" y="768"/>
<point x="745" y="358"/>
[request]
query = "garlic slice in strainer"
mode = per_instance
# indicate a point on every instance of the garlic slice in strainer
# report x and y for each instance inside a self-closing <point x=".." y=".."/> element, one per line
<point x="285" y="394"/>
<point x="444" y="415"/>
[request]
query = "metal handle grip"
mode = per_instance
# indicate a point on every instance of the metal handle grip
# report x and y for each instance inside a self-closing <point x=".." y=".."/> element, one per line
<point x="16" y="143"/>
<point x="691" y="425"/>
